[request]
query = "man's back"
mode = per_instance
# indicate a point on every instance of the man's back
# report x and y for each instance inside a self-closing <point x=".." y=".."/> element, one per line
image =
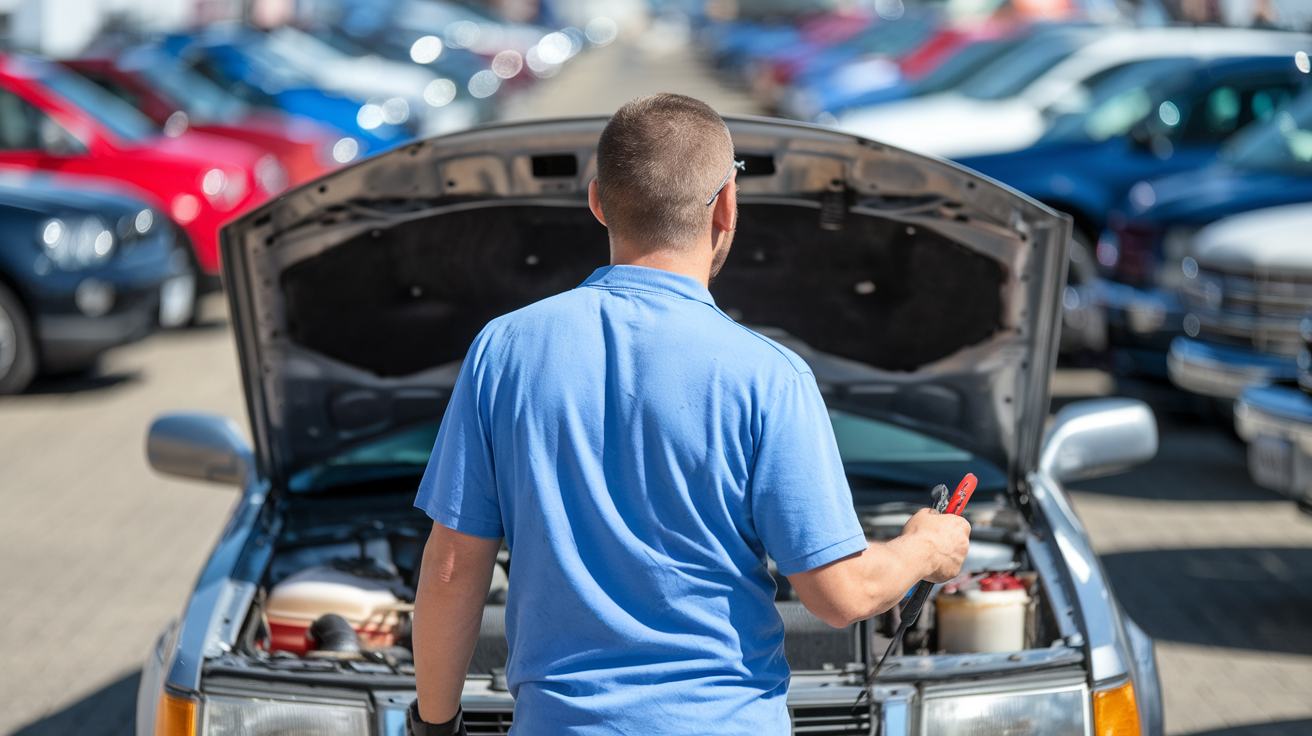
<point x="641" y="453"/>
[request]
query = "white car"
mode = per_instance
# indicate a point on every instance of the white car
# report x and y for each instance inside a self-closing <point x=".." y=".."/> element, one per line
<point x="925" y="298"/>
<point x="1008" y="105"/>
<point x="1247" y="287"/>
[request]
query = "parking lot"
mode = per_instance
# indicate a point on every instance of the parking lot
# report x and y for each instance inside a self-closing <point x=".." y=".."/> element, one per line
<point x="97" y="552"/>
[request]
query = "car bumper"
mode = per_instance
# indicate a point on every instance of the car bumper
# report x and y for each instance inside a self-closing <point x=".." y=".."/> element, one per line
<point x="1276" y="422"/>
<point x="1223" y="371"/>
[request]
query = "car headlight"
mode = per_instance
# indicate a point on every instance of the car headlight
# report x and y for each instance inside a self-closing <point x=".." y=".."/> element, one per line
<point x="230" y="716"/>
<point x="1060" y="711"/>
<point x="74" y="244"/>
<point x="270" y="175"/>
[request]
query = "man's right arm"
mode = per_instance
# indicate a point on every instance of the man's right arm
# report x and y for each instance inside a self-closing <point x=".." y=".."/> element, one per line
<point x="932" y="547"/>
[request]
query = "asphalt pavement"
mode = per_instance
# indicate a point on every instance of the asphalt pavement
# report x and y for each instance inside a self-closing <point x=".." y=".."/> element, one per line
<point x="97" y="552"/>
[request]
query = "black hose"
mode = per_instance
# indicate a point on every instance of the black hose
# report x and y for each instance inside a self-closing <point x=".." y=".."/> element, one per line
<point x="332" y="633"/>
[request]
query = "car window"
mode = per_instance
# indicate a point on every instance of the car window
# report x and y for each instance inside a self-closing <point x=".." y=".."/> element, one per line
<point x="1232" y="103"/>
<point x="23" y="127"/>
<point x="113" y="87"/>
<point x="1283" y="144"/>
<point x="962" y="65"/>
<point x="201" y="99"/>
<point x="124" y="120"/>
<point x="1014" y="71"/>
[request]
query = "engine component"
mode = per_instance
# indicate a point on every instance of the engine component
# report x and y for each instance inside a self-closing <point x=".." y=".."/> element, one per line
<point x="985" y="614"/>
<point x="333" y="634"/>
<point x="369" y="605"/>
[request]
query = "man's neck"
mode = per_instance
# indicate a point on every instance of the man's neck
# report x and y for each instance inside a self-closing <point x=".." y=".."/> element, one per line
<point x="690" y="262"/>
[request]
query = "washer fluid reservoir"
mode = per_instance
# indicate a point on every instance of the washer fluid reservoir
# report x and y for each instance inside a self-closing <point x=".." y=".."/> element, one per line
<point x="985" y="614"/>
<point x="369" y="605"/>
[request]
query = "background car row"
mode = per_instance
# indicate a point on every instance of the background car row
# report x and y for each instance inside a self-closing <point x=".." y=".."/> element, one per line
<point x="196" y="128"/>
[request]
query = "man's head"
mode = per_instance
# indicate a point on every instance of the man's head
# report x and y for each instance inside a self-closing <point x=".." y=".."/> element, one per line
<point x="659" y="159"/>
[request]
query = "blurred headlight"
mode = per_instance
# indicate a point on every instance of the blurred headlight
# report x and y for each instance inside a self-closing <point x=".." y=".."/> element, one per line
<point x="143" y="221"/>
<point x="1055" y="712"/>
<point x="77" y="244"/>
<point x="270" y="175"/>
<point x="225" y="716"/>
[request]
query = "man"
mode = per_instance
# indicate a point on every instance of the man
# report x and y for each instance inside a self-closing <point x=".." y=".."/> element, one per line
<point x="642" y="454"/>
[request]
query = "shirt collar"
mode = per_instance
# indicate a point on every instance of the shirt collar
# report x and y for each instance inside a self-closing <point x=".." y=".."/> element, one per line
<point x="649" y="279"/>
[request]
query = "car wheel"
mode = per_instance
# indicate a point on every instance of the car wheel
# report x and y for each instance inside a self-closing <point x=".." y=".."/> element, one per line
<point x="17" y="348"/>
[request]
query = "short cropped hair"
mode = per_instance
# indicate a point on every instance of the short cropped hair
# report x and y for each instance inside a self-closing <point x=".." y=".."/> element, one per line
<point x="659" y="159"/>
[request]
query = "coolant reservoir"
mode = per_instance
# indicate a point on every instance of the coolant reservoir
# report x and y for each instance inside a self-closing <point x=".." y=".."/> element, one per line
<point x="293" y="604"/>
<point x="983" y="615"/>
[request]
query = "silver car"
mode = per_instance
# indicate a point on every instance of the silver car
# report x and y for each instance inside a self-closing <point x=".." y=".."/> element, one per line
<point x="926" y="299"/>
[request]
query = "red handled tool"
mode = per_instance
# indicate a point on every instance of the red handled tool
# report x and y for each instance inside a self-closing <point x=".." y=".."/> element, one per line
<point x="944" y="504"/>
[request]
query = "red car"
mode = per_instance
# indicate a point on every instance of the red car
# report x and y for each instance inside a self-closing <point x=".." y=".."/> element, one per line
<point x="53" y="119"/>
<point x="177" y="97"/>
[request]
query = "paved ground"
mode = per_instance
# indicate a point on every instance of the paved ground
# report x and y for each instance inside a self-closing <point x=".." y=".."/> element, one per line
<point x="97" y="553"/>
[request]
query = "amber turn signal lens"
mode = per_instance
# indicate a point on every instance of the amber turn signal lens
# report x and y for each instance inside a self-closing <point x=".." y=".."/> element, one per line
<point x="1115" y="713"/>
<point x="175" y="716"/>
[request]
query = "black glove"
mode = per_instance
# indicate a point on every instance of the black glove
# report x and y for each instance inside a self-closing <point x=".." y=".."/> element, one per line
<point x="416" y="726"/>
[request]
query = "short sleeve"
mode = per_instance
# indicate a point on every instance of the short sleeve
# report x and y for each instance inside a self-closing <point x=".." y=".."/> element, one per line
<point x="459" y="489"/>
<point x="801" y="503"/>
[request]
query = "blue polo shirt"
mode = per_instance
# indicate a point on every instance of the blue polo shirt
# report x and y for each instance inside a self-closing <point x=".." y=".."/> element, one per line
<point x="642" y="454"/>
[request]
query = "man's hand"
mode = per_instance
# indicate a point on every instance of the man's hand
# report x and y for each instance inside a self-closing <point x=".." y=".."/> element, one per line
<point x="453" y="583"/>
<point x="945" y="539"/>
<point x="932" y="547"/>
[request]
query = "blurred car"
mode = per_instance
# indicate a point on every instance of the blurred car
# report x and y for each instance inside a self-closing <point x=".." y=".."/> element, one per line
<point x="235" y="58"/>
<point x="1247" y="289"/>
<point x="1149" y="119"/>
<point x="1276" y="422"/>
<point x="82" y="269"/>
<point x="161" y="86"/>
<point x="1152" y="230"/>
<point x="56" y="120"/>
<point x="1002" y="108"/>
<point x="344" y="406"/>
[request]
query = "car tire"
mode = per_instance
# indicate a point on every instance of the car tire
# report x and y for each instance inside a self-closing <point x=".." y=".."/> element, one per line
<point x="18" y="361"/>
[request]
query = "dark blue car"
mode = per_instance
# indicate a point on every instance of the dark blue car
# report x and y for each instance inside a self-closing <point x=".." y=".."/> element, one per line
<point x="1143" y="121"/>
<point x="81" y="270"/>
<point x="1151" y="232"/>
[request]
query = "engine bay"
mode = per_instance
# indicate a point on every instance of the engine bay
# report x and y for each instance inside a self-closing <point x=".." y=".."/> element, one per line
<point x="336" y="592"/>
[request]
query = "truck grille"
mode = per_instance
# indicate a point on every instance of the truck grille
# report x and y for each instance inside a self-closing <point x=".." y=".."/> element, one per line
<point x="1261" y="311"/>
<point x="830" y="720"/>
<point x="489" y="723"/>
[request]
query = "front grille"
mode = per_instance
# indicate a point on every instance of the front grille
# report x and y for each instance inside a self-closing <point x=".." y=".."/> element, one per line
<point x="816" y="720"/>
<point x="1259" y="311"/>
<point x="830" y="720"/>
<point x="492" y="723"/>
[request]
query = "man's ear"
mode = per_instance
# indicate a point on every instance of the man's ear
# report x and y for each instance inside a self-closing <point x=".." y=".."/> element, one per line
<point x="594" y="201"/>
<point x="725" y="208"/>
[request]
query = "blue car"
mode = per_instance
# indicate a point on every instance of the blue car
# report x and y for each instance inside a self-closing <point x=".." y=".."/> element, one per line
<point x="1145" y="120"/>
<point x="1152" y="231"/>
<point x="236" y="59"/>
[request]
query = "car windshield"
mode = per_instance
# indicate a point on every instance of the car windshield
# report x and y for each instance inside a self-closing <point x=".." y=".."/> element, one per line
<point x="203" y="100"/>
<point x="877" y="455"/>
<point x="1012" y="72"/>
<point x="124" y="120"/>
<point x="1110" y="104"/>
<point x="1283" y="145"/>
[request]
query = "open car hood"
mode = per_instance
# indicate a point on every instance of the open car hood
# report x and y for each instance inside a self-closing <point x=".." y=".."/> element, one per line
<point x="921" y="294"/>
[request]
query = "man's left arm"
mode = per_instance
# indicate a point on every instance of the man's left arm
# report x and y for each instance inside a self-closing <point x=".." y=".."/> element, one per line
<point x="453" y="584"/>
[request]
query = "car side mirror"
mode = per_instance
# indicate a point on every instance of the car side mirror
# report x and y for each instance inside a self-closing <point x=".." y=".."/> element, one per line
<point x="201" y="446"/>
<point x="1090" y="439"/>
